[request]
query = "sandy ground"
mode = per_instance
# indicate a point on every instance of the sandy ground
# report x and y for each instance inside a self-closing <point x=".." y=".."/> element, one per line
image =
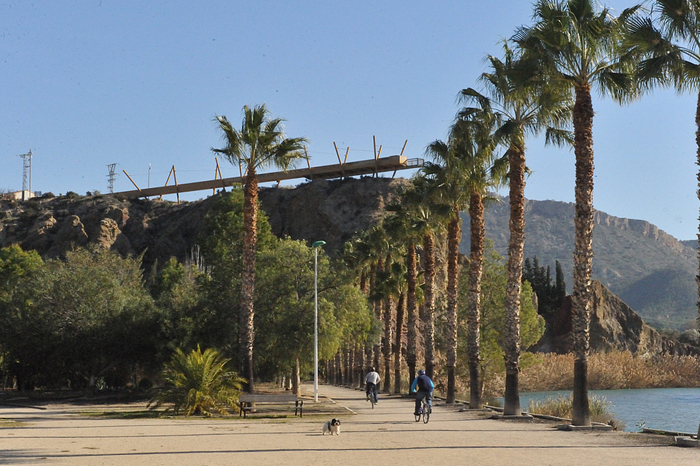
<point x="387" y="435"/>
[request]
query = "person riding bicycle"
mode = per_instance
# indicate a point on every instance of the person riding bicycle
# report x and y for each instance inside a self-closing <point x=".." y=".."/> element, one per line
<point x="425" y="388"/>
<point x="372" y="384"/>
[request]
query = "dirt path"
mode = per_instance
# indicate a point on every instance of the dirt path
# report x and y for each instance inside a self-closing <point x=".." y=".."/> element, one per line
<point x="386" y="435"/>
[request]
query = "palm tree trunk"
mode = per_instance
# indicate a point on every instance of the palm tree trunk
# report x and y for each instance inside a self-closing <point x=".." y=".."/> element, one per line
<point x="583" y="251"/>
<point x="412" y="311"/>
<point x="400" y="312"/>
<point x="454" y="233"/>
<point x="338" y="368"/>
<point x="347" y="360"/>
<point x="476" y="268"/>
<point x="360" y="364"/>
<point x="516" y="245"/>
<point x="377" y="305"/>
<point x="296" y="378"/>
<point x="250" y="240"/>
<point x="429" y="268"/>
<point x="388" y="328"/>
<point x="697" y="142"/>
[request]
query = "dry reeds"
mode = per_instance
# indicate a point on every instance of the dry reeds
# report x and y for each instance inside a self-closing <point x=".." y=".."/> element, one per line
<point x="614" y="370"/>
<point x="561" y="406"/>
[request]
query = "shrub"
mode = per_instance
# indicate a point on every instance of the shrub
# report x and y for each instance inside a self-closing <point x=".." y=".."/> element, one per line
<point x="561" y="406"/>
<point x="199" y="383"/>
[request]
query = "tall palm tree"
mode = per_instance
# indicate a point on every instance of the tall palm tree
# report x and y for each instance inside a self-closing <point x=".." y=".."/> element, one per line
<point x="463" y="174"/>
<point x="411" y="221"/>
<point x="430" y="222"/>
<point x="524" y="105"/>
<point x="259" y="144"/>
<point x="577" y="47"/>
<point x="667" y="47"/>
<point x="406" y="227"/>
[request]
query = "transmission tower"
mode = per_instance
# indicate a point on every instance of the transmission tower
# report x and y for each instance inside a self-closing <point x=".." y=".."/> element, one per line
<point x="112" y="175"/>
<point x="26" y="173"/>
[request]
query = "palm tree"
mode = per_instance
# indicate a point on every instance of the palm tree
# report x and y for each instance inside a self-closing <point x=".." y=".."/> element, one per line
<point x="405" y="227"/>
<point x="259" y="144"/>
<point x="463" y="176"/>
<point x="667" y="47"/>
<point x="410" y="223"/>
<point x="430" y="221"/>
<point x="523" y="106"/>
<point x="199" y="383"/>
<point x="577" y="47"/>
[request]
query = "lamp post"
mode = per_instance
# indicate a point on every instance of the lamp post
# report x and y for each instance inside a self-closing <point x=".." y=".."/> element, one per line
<point x="315" y="246"/>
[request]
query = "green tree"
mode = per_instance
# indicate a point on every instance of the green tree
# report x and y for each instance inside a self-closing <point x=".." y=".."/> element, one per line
<point x="199" y="383"/>
<point x="493" y="330"/>
<point x="16" y="266"/>
<point x="549" y="295"/>
<point x="286" y="309"/>
<point x="83" y="319"/>
<point x="578" y="47"/>
<point x="222" y="248"/>
<point x="259" y="144"/>
<point x="180" y="291"/>
<point x="407" y="223"/>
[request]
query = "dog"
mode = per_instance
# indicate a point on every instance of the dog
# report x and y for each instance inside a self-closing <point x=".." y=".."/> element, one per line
<point x="332" y="427"/>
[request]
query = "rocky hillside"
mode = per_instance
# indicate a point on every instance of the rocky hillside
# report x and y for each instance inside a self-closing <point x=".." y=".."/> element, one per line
<point x="53" y="225"/>
<point x="614" y="327"/>
<point x="648" y="269"/>
<point x="330" y="210"/>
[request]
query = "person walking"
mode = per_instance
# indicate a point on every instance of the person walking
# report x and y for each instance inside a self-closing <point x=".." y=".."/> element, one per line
<point x="423" y="387"/>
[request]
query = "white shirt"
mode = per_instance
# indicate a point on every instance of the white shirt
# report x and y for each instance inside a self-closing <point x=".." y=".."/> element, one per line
<point x="372" y="377"/>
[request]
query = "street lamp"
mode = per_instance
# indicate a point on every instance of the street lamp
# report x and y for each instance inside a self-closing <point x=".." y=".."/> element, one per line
<point x="315" y="246"/>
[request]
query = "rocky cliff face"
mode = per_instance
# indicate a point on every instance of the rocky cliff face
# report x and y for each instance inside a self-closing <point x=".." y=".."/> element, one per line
<point x="52" y="226"/>
<point x="614" y="327"/>
<point x="330" y="210"/>
<point x="333" y="211"/>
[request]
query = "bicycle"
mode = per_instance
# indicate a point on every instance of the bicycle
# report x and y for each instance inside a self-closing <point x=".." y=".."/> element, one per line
<point x="371" y="398"/>
<point x="424" y="412"/>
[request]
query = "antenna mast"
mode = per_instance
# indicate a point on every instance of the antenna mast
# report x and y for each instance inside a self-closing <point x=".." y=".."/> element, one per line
<point x="26" y="173"/>
<point x="112" y="175"/>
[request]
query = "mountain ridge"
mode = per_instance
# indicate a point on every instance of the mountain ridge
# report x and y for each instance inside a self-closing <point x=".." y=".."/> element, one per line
<point x="647" y="268"/>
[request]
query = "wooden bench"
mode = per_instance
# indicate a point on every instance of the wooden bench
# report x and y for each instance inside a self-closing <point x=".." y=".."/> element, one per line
<point x="268" y="401"/>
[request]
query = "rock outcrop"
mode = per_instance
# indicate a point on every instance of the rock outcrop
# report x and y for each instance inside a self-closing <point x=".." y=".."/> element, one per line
<point x="614" y="327"/>
<point x="329" y="210"/>
<point x="333" y="211"/>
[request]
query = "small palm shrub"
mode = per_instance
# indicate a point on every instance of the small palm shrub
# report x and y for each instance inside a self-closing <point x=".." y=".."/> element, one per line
<point x="199" y="383"/>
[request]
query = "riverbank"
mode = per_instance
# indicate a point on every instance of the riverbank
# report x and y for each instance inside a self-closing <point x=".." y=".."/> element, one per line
<point x="64" y="434"/>
<point x="670" y="409"/>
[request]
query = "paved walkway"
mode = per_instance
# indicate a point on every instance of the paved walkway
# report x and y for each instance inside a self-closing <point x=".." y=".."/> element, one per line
<point x="387" y="435"/>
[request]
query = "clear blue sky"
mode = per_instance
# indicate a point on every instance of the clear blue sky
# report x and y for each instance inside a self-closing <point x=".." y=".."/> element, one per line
<point x="87" y="83"/>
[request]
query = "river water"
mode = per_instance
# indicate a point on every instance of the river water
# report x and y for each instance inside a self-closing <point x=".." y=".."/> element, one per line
<point x="672" y="409"/>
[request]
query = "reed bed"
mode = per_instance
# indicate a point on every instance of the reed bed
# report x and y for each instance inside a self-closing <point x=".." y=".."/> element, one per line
<point x="611" y="371"/>
<point x="606" y="371"/>
<point x="600" y="408"/>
